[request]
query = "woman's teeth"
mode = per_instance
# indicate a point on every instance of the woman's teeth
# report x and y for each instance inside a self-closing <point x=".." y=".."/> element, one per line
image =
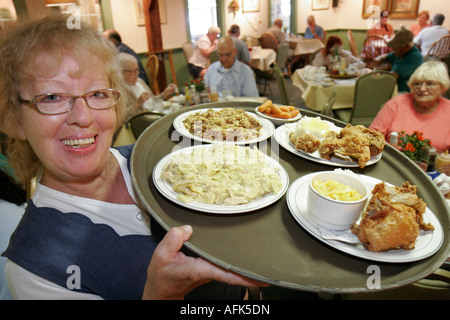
<point x="78" y="143"/>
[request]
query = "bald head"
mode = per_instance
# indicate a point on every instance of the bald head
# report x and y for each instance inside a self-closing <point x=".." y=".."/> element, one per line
<point x="226" y="50"/>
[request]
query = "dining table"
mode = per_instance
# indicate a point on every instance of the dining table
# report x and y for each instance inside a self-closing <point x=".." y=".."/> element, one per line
<point x="316" y="92"/>
<point x="262" y="58"/>
<point x="270" y="244"/>
<point x="301" y="46"/>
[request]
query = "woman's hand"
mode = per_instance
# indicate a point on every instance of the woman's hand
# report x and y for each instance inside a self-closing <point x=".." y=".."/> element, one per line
<point x="168" y="91"/>
<point x="142" y="98"/>
<point x="171" y="274"/>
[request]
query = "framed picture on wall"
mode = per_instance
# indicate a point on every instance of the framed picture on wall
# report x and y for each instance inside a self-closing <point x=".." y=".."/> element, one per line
<point x="403" y="9"/>
<point x="250" y="6"/>
<point x="139" y="10"/>
<point x="320" y="4"/>
<point x="373" y="8"/>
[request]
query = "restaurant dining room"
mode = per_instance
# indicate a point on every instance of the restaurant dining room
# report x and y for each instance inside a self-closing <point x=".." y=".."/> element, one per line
<point x="260" y="151"/>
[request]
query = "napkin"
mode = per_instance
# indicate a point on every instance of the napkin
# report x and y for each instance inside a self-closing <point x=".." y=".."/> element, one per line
<point x="344" y="235"/>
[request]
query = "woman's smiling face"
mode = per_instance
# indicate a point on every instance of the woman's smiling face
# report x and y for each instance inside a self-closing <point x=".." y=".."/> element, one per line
<point x="75" y="145"/>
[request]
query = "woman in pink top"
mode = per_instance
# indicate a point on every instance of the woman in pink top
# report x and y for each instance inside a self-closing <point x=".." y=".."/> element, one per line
<point x="422" y="23"/>
<point x="424" y="109"/>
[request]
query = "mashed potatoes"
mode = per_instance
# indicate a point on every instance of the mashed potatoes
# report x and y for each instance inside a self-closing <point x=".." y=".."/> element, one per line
<point x="222" y="174"/>
<point x="312" y="126"/>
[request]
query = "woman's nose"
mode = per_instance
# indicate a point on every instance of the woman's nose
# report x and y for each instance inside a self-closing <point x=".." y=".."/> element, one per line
<point x="81" y="113"/>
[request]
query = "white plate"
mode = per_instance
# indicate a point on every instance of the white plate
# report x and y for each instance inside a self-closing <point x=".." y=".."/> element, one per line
<point x="266" y="132"/>
<point x="277" y="121"/>
<point x="166" y="189"/>
<point x="282" y="138"/>
<point x="427" y="244"/>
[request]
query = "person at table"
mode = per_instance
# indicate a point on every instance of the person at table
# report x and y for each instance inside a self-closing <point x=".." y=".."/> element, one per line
<point x="83" y="235"/>
<point x="243" y="53"/>
<point x="383" y="28"/>
<point x="229" y="73"/>
<point x="277" y="32"/>
<point x="327" y="56"/>
<point x="422" y="22"/>
<point x="205" y="45"/>
<point x="139" y="92"/>
<point x="403" y="60"/>
<point x="423" y="110"/>
<point x="430" y="35"/>
<point x="313" y="31"/>
<point x="115" y="38"/>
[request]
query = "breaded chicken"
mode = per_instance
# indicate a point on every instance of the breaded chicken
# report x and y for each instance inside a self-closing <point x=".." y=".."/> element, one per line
<point x="392" y="219"/>
<point x="306" y="142"/>
<point x="357" y="142"/>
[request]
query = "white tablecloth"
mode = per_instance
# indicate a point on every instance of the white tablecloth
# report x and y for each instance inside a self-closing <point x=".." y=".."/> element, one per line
<point x="305" y="46"/>
<point x="263" y="58"/>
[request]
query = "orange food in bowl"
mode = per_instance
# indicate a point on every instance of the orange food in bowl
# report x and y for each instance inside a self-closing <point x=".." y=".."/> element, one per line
<point x="276" y="111"/>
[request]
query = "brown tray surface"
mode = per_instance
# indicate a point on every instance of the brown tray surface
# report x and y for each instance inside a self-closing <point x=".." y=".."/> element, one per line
<point x="268" y="244"/>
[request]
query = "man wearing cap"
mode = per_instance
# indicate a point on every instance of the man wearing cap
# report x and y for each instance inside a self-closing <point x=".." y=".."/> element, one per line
<point x="430" y="35"/>
<point x="404" y="59"/>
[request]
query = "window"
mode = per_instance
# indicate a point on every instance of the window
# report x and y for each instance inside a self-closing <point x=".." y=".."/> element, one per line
<point x="202" y="16"/>
<point x="281" y="9"/>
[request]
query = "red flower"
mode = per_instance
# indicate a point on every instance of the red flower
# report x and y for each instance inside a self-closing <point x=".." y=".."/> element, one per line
<point x="409" y="147"/>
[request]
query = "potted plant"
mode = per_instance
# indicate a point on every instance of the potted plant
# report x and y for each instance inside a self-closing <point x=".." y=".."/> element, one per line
<point x="415" y="147"/>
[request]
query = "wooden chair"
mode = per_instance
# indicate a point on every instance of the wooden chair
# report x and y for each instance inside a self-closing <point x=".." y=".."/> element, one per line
<point x="440" y="49"/>
<point x="152" y="68"/>
<point x="352" y="43"/>
<point x="268" y="41"/>
<point x="372" y="91"/>
<point x="374" y="46"/>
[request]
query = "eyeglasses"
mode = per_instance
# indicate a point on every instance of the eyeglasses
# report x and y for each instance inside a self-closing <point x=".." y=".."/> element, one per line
<point x="224" y="55"/>
<point x="59" y="103"/>
<point x="132" y="71"/>
<point x="428" y="84"/>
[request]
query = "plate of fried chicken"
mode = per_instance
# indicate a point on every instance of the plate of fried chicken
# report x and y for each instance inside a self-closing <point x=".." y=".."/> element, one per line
<point x="351" y="146"/>
<point x="396" y="226"/>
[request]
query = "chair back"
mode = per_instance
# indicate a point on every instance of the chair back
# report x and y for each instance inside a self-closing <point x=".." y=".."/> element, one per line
<point x="213" y="57"/>
<point x="372" y="91"/>
<point x="268" y="41"/>
<point x="251" y="41"/>
<point x="326" y="110"/>
<point x="141" y="121"/>
<point x="152" y="68"/>
<point x="440" y="49"/>
<point x="281" y="84"/>
<point x="352" y="43"/>
<point x="282" y="54"/>
<point x="188" y="50"/>
<point x="374" y="46"/>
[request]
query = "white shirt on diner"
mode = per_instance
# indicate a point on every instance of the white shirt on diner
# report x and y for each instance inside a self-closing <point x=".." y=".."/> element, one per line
<point x="124" y="219"/>
<point x="428" y="36"/>
<point x="197" y="59"/>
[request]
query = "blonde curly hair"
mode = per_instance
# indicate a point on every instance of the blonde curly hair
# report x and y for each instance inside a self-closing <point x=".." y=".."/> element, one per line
<point x="22" y="48"/>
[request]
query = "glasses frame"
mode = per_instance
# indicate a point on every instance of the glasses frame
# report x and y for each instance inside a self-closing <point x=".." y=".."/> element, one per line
<point x="429" y="85"/>
<point x="32" y="102"/>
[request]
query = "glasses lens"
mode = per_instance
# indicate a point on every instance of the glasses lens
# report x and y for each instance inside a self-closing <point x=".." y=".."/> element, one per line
<point x="53" y="103"/>
<point x="428" y="85"/>
<point x="102" y="99"/>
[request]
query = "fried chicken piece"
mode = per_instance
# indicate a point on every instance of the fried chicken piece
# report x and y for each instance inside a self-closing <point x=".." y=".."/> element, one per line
<point x="357" y="142"/>
<point x="306" y="142"/>
<point x="392" y="219"/>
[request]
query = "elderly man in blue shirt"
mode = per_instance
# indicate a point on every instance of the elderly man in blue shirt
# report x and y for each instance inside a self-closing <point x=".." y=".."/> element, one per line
<point x="230" y="74"/>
